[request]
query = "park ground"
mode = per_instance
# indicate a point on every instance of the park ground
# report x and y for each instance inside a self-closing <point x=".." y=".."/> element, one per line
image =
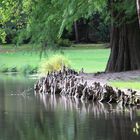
<point x="92" y="57"/>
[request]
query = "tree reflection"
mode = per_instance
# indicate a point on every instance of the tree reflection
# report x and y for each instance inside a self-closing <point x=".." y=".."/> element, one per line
<point x="2" y="108"/>
<point x="89" y="118"/>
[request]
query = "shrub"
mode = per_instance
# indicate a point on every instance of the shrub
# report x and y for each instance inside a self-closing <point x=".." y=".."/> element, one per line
<point x="13" y="69"/>
<point x="54" y="63"/>
<point x="28" y="69"/>
<point x="3" y="69"/>
<point x="25" y="69"/>
<point x="33" y="70"/>
<point x="63" y="42"/>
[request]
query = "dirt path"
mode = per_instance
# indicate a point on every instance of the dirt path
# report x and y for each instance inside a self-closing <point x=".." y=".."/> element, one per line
<point x="106" y="77"/>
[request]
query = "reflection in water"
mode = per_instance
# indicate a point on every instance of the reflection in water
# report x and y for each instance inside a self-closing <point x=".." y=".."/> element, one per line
<point x="136" y="128"/>
<point x="106" y="120"/>
<point x="53" y="102"/>
<point x="47" y="117"/>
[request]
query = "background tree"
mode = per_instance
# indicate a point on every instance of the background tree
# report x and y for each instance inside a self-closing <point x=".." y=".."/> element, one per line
<point x="49" y="19"/>
<point x="12" y="19"/>
<point x="138" y="9"/>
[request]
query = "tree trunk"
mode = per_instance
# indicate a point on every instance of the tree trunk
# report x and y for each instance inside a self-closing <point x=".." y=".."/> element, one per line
<point x="138" y="9"/>
<point x="124" y="42"/>
<point x="125" y="48"/>
<point x="76" y="32"/>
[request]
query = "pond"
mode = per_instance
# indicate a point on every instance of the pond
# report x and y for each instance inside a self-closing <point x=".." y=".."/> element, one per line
<point x="24" y="116"/>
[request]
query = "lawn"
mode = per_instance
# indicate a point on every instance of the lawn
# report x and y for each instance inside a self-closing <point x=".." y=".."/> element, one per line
<point x="92" y="58"/>
<point x="126" y="84"/>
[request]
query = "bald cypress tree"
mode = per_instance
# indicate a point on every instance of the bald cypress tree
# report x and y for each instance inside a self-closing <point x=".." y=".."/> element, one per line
<point x="125" y="37"/>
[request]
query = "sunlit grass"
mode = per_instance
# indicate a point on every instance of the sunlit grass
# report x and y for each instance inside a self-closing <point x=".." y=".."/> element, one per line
<point x="92" y="58"/>
<point x="126" y="84"/>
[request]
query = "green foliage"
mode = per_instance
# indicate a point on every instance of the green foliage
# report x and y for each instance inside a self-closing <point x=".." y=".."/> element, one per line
<point x="45" y="20"/>
<point x="63" y="42"/>
<point x="13" y="18"/>
<point x="3" y="68"/>
<point x="2" y="36"/>
<point x="25" y="69"/>
<point x="28" y="69"/>
<point x="124" y="12"/>
<point x="54" y="63"/>
<point x="13" y="69"/>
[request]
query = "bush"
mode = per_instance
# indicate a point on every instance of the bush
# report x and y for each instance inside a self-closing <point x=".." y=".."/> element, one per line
<point x="3" y="69"/>
<point x="25" y="69"/>
<point x="54" y="63"/>
<point x="28" y="69"/>
<point x="13" y="69"/>
<point x="33" y="70"/>
<point x="63" y="43"/>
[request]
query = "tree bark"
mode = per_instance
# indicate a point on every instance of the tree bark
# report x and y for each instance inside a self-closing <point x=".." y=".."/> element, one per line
<point x="138" y="9"/>
<point x="125" y="46"/>
<point x="76" y="32"/>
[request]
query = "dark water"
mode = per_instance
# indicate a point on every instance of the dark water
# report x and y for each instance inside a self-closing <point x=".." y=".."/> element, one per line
<point x="26" y="117"/>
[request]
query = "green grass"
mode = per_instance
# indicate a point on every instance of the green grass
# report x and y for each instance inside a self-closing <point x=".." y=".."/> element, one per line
<point x="126" y="84"/>
<point x="92" y="58"/>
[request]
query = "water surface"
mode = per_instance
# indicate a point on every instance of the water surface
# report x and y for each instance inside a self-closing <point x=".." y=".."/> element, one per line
<point x="24" y="116"/>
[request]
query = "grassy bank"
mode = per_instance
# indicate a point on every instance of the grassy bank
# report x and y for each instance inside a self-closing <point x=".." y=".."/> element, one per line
<point x="92" y="57"/>
<point x="25" y="58"/>
<point x="126" y="84"/>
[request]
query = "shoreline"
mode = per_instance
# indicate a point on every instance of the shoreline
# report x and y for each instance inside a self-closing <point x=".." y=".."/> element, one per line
<point x="68" y="82"/>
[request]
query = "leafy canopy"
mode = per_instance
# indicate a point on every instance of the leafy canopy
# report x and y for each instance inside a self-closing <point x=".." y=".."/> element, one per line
<point x="45" y="20"/>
